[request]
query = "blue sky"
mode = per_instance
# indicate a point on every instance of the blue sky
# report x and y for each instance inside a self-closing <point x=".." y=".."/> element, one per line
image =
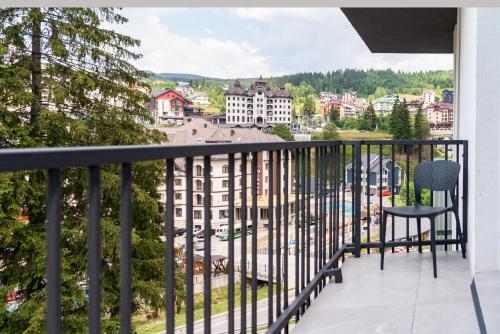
<point x="248" y="42"/>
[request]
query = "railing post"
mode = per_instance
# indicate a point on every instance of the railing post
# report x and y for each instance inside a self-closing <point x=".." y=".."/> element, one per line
<point x="465" y="189"/>
<point x="357" y="201"/>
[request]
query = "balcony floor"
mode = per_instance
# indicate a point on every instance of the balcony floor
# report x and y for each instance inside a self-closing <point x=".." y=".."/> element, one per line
<point x="403" y="298"/>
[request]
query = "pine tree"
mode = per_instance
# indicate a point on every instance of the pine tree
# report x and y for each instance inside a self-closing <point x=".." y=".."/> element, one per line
<point x="370" y="117"/>
<point x="400" y="125"/>
<point x="67" y="81"/>
<point x="334" y="114"/>
<point x="421" y="126"/>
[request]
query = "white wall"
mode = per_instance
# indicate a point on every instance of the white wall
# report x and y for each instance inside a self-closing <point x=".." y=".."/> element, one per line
<point x="479" y="123"/>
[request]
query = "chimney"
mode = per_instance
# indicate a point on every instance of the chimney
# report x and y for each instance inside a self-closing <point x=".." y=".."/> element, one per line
<point x="232" y="132"/>
<point x="194" y="132"/>
<point x="205" y="125"/>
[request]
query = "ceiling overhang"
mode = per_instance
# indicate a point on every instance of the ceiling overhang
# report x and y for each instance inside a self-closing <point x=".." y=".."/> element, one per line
<point x="404" y="30"/>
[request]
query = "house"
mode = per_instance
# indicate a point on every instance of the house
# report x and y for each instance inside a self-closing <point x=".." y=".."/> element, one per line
<point x="199" y="98"/>
<point x="440" y="114"/>
<point x="428" y="97"/>
<point x="414" y="104"/>
<point x="329" y="105"/>
<point x="258" y="104"/>
<point x="348" y="110"/>
<point x="361" y="104"/>
<point x="327" y="97"/>
<point x="447" y="95"/>
<point x="349" y="96"/>
<point x="384" y="105"/>
<point x="183" y="88"/>
<point x="168" y="106"/>
<point x="374" y="175"/>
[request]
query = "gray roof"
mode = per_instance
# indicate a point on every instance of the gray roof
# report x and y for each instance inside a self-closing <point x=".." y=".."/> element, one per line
<point x="198" y="131"/>
<point x="258" y="86"/>
<point x="374" y="162"/>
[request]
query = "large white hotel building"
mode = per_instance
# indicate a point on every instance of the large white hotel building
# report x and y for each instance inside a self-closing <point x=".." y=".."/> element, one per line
<point x="258" y="105"/>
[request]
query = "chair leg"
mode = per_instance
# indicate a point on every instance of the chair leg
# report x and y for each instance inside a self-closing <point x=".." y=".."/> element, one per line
<point x="382" y="239"/>
<point x="419" y="233"/>
<point x="459" y="232"/>
<point x="433" y="245"/>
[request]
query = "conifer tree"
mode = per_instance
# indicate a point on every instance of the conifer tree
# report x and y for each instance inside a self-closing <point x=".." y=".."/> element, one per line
<point x="308" y="109"/>
<point x="400" y="125"/>
<point x="370" y="117"/>
<point x="334" y="114"/>
<point x="68" y="81"/>
<point x="421" y="126"/>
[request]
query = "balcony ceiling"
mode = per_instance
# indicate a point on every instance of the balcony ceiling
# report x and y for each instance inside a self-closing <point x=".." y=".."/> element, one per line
<point x="404" y="30"/>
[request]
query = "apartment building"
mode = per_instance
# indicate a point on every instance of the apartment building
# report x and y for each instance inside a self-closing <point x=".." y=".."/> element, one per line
<point x="197" y="131"/>
<point x="259" y="104"/>
<point x="440" y="114"/>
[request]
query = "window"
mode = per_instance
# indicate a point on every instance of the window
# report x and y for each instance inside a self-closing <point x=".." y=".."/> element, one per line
<point x="223" y="214"/>
<point x="263" y="214"/>
<point x="225" y="169"/>
<point x="178" y="212"/>
<point x="178" y="196"/>
<point x="225" y="183"/>
<point x="199" y="185"/>
<point x="199" y="170"/>
<point x="225" y="197"/>
<point x="199" y="199"/>
<point x="197" y="214"/>
<point x="178" y="182"/>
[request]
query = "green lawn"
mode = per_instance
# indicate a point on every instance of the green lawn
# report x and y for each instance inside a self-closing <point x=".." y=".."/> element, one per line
<point x="211" y="109"/>
<point x="357" y="135"/>
<point x="219" y="305"/>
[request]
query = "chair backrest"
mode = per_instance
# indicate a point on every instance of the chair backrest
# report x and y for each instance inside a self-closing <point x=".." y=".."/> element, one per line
<point x="439" y="175"/>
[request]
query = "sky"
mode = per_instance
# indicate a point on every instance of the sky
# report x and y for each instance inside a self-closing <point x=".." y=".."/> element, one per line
<point x="249" y="42"/>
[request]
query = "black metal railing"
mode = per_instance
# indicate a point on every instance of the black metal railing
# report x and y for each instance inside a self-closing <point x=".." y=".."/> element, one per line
<point x="330" y="184"/>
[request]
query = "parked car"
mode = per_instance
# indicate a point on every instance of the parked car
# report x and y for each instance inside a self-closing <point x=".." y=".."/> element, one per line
<point x="201" y="234"/>
<point x="385" y="192"/>
<point x="178" y="231"/>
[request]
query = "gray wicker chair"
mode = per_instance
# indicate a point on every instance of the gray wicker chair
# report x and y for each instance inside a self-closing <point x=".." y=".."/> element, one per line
<point x="439" y="175"/>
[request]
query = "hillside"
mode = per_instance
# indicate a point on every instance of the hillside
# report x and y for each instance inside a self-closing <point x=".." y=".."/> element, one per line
<point x="370" y="84"/>
<point x="365" y="82"/>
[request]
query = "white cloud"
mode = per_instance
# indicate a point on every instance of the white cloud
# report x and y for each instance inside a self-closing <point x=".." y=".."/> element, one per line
<point x="166" y="51"/>
<point x="262" y="41"/>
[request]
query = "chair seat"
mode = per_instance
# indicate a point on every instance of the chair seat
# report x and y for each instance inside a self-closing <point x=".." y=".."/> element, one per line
<point x="416" y="211"/>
